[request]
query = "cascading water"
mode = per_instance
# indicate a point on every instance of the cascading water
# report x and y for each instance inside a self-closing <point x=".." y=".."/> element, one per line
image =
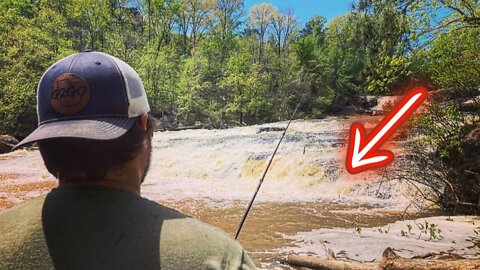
<point x="226" y="164"/>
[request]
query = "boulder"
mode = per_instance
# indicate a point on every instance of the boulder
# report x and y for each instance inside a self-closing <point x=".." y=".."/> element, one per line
<point x="384" y="104"/>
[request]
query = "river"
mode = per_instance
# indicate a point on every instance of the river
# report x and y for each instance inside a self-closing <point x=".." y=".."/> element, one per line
<point x="308" y="202"/>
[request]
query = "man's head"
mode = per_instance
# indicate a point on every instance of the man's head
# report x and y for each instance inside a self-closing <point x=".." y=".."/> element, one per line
<point x="92" y="113"/>
<point x="74" y="160"/>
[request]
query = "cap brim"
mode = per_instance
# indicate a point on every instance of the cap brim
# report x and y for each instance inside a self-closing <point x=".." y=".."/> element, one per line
<point x="107" y="128"/>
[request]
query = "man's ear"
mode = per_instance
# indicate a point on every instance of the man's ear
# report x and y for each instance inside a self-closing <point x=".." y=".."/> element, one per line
<point x="142" y="121"/>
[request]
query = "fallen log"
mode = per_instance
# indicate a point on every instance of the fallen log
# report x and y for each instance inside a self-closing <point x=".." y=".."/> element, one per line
<point x="313" y="262"/>
<point x="391" y="261"/>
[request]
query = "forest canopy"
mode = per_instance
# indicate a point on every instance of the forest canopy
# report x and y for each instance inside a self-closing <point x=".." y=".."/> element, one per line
<point x="215" y="62"/>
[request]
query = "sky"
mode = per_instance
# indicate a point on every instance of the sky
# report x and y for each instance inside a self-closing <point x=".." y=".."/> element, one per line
<point x="305" y="9"/>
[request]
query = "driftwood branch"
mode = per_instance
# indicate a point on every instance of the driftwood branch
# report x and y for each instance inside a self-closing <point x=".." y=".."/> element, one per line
<point x="313" y="262"/>
<point x="390" y="261"/>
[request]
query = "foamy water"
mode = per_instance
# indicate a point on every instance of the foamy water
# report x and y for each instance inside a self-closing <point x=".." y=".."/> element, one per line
<point x="227" y="164"/>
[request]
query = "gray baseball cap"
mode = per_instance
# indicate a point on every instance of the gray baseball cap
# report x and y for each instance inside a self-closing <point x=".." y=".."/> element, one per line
<point x="90" y="95"/>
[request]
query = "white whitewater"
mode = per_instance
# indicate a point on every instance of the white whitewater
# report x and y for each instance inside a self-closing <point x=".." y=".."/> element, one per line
<point x="226" y="164"/>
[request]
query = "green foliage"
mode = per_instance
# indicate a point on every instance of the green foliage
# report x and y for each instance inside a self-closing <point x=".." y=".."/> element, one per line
<point x="192" y="87"/>
<point x="247" y="85"/>
<point x="453" y="59"/>
<point x="32" y="38"/>
<point x="430" y="229"/>
<point x="160" y="72"/>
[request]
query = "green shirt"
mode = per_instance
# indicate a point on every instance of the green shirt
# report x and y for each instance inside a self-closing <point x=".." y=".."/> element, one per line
<point x="100" y="228"/>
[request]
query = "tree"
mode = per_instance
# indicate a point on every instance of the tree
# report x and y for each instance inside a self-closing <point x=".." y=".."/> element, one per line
<point x="91" y="18"/>
<point x="456" y="14"/>
<point x="228" y="14"/>
<point x="159" y="18"/>
<point x="316" y="27"/>
<point x="382" y="29"/>
<point x="195" y="19"/>
<point x="125" y="30"/>
<point x="248" y="86"/>
<point x="312" y="38"/>
<point x="259" y="19"/>
<point x="160" y="72"/>
<point x="284" y="25"/>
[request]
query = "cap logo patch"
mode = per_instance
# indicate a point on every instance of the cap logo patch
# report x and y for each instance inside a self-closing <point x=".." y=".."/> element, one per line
<point x="70" y="94"/>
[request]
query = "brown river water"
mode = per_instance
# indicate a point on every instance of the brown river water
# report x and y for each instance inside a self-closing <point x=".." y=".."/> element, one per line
<point x="306" y="201"/>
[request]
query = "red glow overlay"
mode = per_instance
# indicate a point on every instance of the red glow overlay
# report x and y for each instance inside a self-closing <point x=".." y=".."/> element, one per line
<point x="363" y="152"/>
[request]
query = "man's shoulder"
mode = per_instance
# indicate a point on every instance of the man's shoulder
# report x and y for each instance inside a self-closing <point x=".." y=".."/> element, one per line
<point x="21" y="237"/>
<point x="187" y="241"/>
<point x="208" y="247"/>
<point x="184" y="239"/>
<point x="157" y="209"/>
<point x="191" y="229"/>
<point x="21" y="221"/>
<point x="24" y="212"/>
<point x="185" y="230"/>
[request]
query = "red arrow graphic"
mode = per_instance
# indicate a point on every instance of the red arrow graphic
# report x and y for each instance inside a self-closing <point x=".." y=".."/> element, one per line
<point x="362" y="152"/>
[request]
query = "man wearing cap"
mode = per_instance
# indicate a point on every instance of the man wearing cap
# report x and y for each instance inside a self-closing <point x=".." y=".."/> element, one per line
<point x="94" y="135"/>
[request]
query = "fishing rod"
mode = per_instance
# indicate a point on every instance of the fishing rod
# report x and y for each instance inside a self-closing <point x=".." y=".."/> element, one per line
<point x="266" y="169"/>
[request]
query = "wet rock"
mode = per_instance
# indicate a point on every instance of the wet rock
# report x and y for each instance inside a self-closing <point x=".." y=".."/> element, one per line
<point x="7" y="142"/>
<point x="270" y="129"/>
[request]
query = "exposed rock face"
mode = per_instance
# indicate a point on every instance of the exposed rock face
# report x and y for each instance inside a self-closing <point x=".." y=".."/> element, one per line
<point x="7" y="142"/>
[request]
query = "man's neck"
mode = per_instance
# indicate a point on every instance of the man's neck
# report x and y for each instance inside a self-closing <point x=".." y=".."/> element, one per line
<point x="124" y="177"/>
<point x="103" y="183"/>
